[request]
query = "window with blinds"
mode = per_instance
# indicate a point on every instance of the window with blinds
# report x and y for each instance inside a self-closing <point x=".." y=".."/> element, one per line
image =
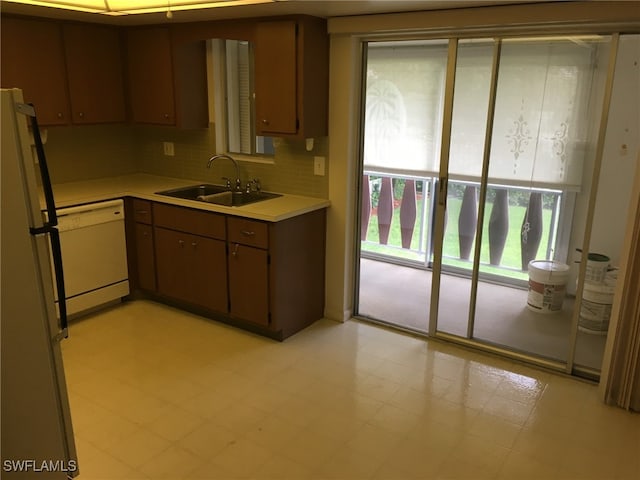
<point x="235" y="77"/>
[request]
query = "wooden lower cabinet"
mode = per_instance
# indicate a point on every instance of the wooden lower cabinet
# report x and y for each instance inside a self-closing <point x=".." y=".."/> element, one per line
<point x="267" y="277"/>
<point x="191" y="268"/>
<point x="249" y="284"/>
<point x="140" y="246"/>
<point x="145" y="257"/>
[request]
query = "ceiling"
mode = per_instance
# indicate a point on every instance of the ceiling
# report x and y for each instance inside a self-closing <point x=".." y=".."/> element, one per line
<point x="333" y="8"/>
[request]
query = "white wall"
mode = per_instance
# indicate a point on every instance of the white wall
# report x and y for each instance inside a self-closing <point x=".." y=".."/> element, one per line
<point x="343" y="130"/>
<point x="620" y="156"/>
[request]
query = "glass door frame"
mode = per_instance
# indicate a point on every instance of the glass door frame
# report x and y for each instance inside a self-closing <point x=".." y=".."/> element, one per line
<point x="569" y="366"/>
<point x="437" y="234"/>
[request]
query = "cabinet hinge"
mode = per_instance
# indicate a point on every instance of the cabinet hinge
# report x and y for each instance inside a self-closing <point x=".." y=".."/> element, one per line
<point x="297" y="124"/>
<point x="269" y="318"/>
<point x="297" y="29"/>
<point x="269" y="259"/>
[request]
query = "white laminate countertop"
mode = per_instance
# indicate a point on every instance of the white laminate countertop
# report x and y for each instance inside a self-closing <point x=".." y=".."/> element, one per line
<point x="144" y="186"/>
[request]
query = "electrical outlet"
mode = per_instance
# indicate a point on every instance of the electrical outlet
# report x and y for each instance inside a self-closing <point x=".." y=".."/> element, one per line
<point x="168" y="149"/>
<point x="318" y="166"/>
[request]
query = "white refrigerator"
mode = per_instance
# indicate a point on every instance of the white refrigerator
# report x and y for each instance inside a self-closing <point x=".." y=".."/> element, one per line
<point x="36" y="432"/>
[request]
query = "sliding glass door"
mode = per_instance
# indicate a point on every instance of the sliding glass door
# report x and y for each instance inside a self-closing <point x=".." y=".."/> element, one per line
<point x="522" y="143"/>
<point x="403" y="109"/>
<point x="479" y="157"/>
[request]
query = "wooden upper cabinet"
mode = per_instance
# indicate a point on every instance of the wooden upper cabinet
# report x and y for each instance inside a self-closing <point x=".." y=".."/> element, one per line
<point x="150" y="76"/>
<point x="292" y="78"/>
<point x="276" y="78"/>
<point x="167" y="84"/>
<point x="95" y="74"/>
<point x="32" y="59"/>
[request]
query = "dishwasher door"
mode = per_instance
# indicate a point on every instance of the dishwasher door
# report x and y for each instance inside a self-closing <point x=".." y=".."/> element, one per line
<point x="94" y="254"/>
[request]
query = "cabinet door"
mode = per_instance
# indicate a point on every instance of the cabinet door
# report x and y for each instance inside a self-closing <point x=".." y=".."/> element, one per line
<point x="249" y="283"/>
<point x="150" y="76"/>
<point x="192" y="269"/>
<point x="145" y="258"/>
<point x="32" y="59"/>
<point x="172" y="263"/>
<point x="94" y="70"/>
<point x="276" y="81"/>
<point x="208" y="276"/>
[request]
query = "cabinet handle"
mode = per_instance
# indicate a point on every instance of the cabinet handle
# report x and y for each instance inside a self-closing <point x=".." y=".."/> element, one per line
<point x="81" y="115"/>
<point x="166" y="115"/>
<point x="181" y="243"/>
<point x="248" y="233"/>
<point x="265" y="121"/>
<point x="59" y="114"/>
<point x="235" y="249"/>
<point x="141" y="212"/>
<point x="145" y="234"/>
<point x="194" y="244"/>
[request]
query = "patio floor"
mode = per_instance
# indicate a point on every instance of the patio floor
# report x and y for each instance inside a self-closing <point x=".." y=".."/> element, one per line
<point x="400" y="295"/>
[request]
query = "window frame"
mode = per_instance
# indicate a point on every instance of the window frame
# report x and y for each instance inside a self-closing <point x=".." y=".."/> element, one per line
<point x="217" y="79"/>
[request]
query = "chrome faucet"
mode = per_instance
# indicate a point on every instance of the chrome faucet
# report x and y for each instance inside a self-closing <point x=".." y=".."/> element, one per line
<point x="215" y="157"/>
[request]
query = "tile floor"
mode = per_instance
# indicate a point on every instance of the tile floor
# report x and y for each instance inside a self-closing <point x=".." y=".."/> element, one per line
<point x="157" y="393"/>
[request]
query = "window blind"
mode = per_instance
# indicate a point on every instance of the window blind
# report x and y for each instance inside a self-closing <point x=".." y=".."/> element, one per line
<point x="540" y="127"/>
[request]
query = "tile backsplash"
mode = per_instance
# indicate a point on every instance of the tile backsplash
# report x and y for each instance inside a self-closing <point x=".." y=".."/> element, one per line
<point x="291" y="172"/>
<point x="87" y="152"/>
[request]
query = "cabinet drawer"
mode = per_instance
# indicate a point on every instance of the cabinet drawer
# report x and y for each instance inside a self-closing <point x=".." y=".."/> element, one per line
<point x="190" y="220"/>
<point x="142" y="211"/>
<point x="248" y="232"/>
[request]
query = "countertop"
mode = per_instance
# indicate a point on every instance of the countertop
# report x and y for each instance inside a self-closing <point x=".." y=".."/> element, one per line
<point x="144" y="186"/>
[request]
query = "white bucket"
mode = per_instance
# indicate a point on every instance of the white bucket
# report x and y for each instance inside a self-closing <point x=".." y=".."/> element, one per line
<point x="597" y="266"/>
<point x="547" y="285"/>
<point x="595" y="309"/>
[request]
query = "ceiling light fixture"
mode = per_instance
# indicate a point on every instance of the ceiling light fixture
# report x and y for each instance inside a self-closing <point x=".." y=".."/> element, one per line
<point x="131" y="7"/>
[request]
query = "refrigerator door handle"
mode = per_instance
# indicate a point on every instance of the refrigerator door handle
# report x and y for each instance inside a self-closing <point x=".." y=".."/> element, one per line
<point x="56" y="253"/>
<point x="29" y="111"/>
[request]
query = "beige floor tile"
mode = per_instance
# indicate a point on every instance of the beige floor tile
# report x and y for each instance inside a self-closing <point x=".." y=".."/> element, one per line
<point x="512" y="411"/>
<point x="187" y="398"/>
<point x="521" y="466"/>
<point x="278" y="467"/>
<point x="96" y="464"/>
<point x="173" y="463"/>
<point x="174" y="423"/>
<point x="242" y="457"/>
<point x="310" y="449"/>
<point x="207" y="440"/>
<point x="374" y="440"/>
<point x="495" y="429"/>
<point x="348" y="463"/>
<point x="238" y="418"/>
<point x="138" y="448"/>
<point x="273" y="433"/>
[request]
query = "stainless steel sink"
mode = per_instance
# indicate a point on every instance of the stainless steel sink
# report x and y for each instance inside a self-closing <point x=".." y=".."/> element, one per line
<point x="218" y="194"/>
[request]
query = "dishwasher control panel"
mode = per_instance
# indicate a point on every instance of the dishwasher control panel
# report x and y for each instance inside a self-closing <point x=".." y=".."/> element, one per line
<point x="90" y="214"/>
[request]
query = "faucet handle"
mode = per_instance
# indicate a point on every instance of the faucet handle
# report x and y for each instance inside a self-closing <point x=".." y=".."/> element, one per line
<point x="228" y="181"/>
<point x="256" y="183"/>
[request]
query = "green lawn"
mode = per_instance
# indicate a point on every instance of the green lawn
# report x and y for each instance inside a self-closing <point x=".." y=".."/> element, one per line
<point x="510" y="257"/>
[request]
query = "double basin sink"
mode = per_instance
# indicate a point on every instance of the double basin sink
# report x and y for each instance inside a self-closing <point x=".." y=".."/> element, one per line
<point x="218" y="194"/>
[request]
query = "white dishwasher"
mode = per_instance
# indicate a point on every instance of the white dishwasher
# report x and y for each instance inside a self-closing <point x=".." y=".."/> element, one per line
<point x="94" y="254"/>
